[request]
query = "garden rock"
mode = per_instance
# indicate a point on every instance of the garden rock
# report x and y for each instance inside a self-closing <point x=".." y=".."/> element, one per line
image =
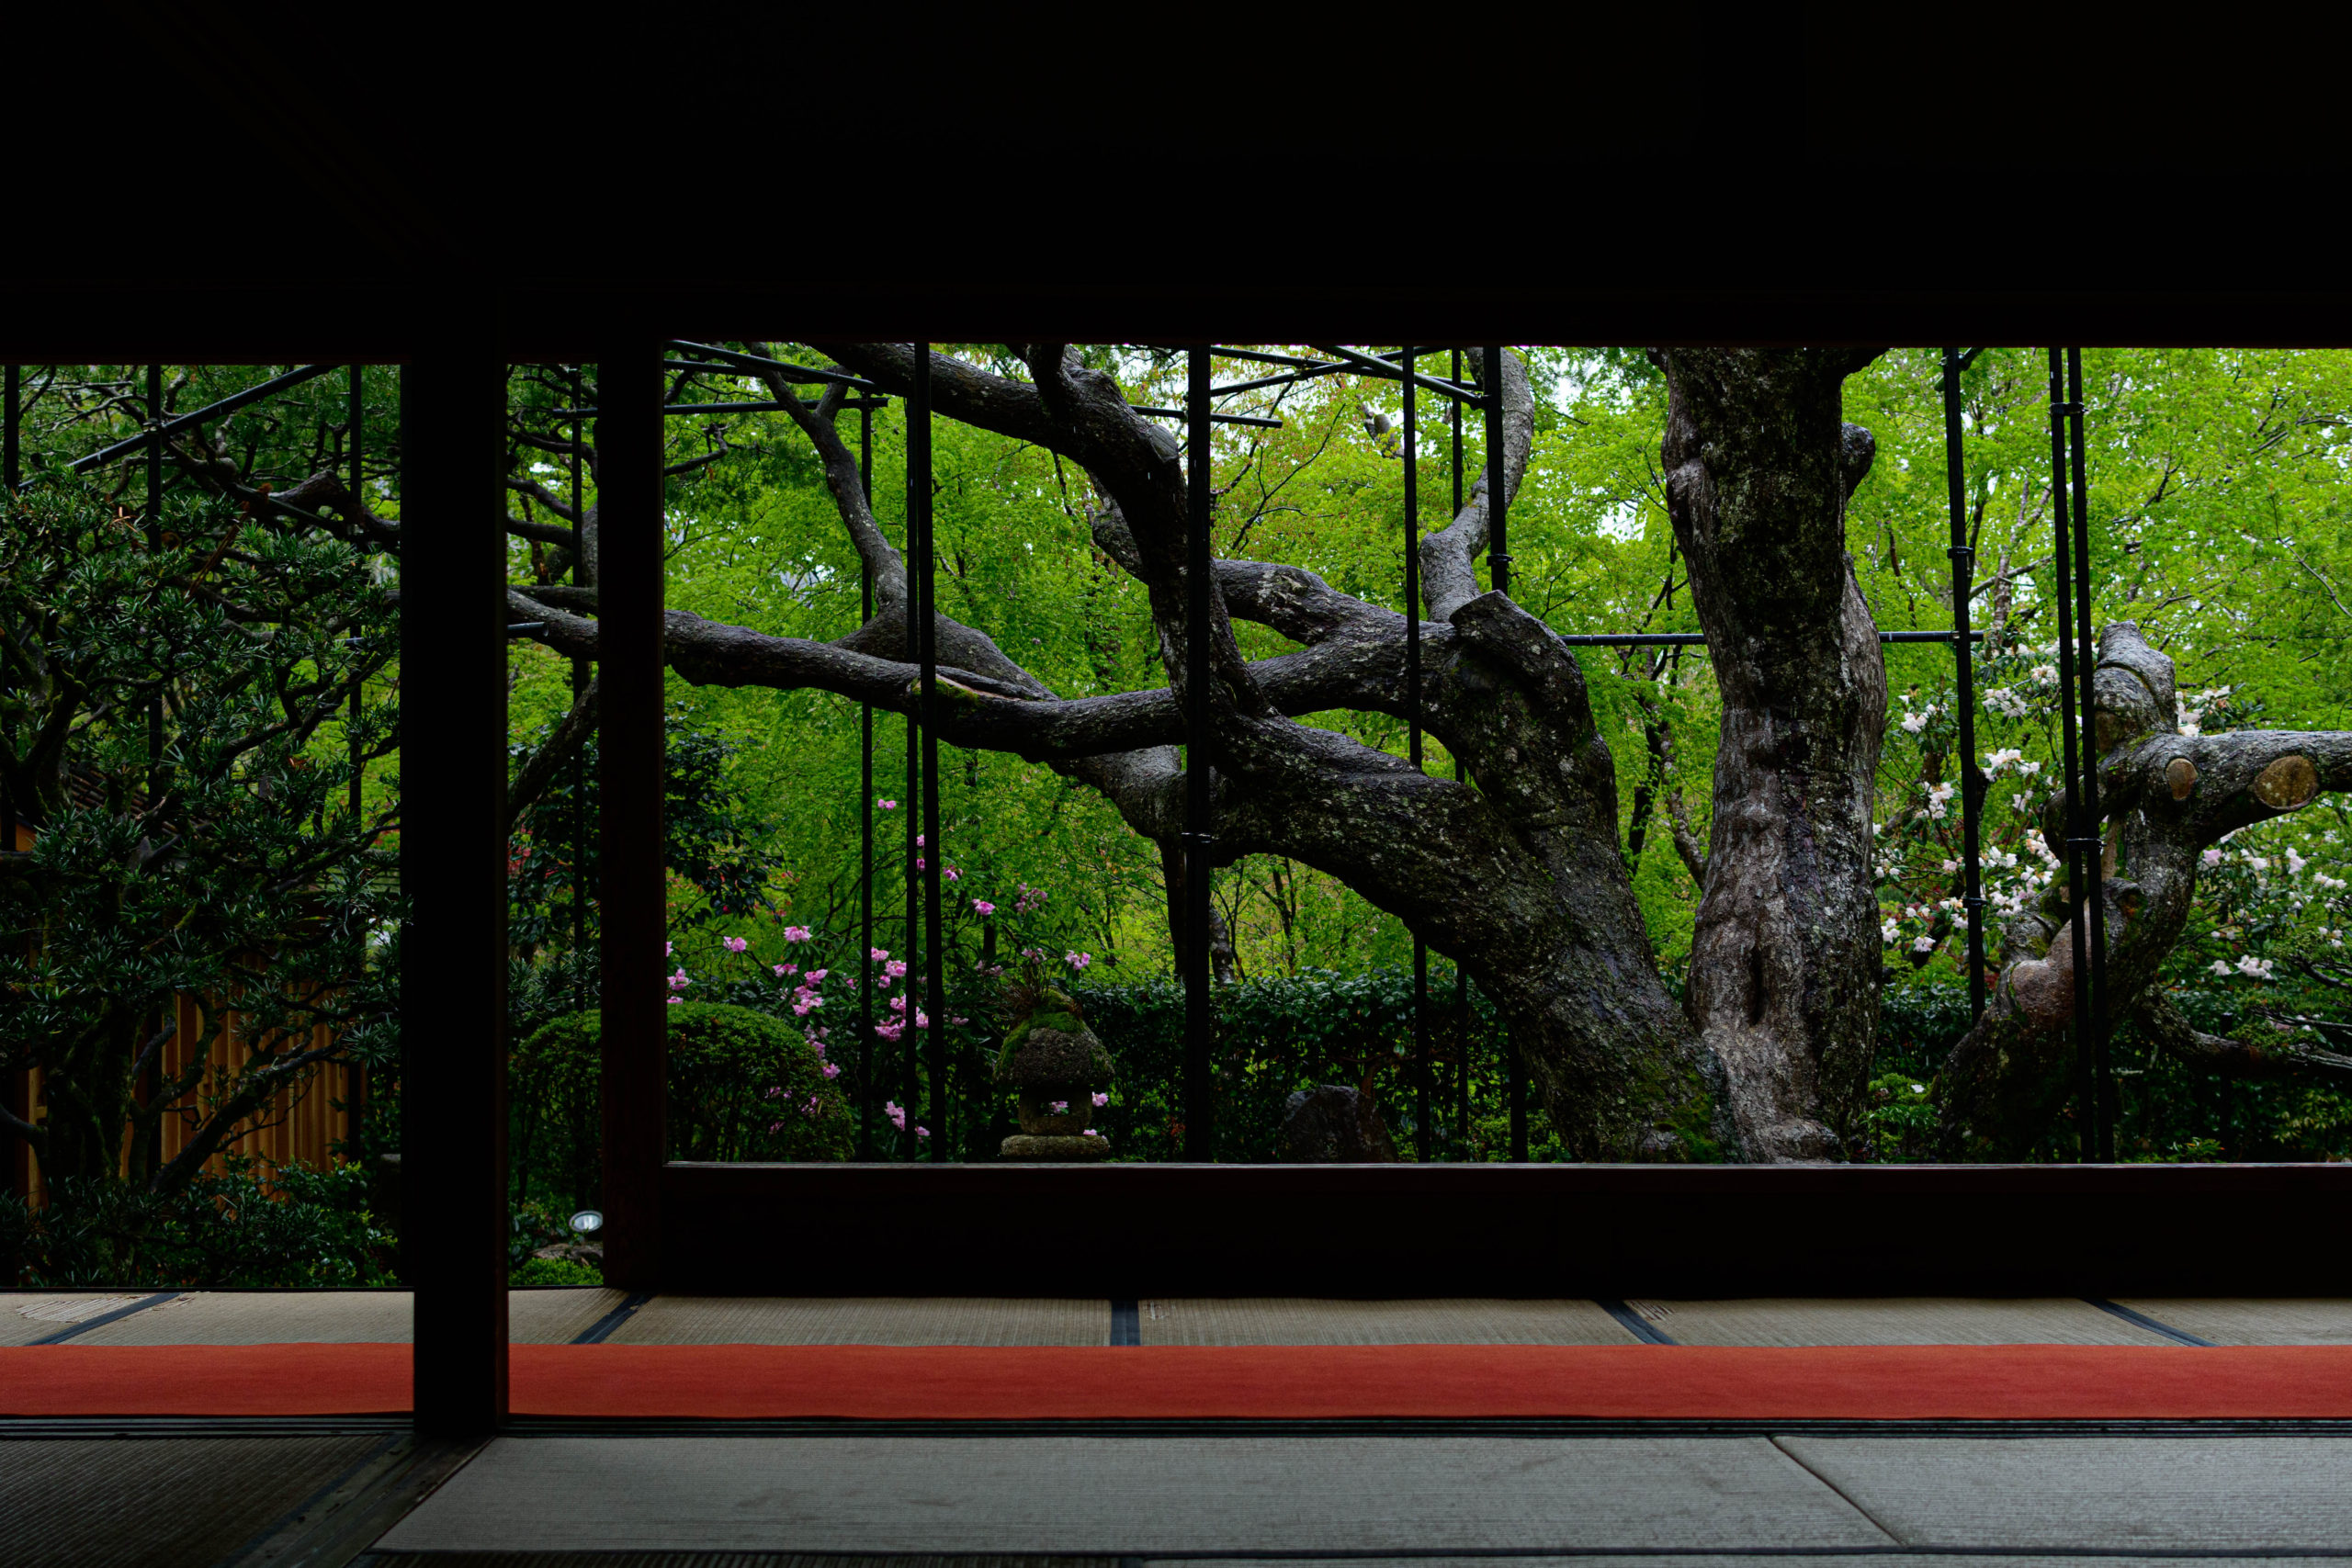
<point x="1334" y="1124"/>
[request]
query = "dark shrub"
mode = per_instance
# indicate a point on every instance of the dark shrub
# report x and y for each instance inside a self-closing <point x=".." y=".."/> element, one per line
<point x="743" y="1087"/>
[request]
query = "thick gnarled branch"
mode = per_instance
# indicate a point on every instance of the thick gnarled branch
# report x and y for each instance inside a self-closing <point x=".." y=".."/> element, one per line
<point x="1449" y="557"/>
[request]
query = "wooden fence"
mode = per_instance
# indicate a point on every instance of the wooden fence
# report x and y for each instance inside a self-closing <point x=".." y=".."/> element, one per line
<point x="302" y="1123"/>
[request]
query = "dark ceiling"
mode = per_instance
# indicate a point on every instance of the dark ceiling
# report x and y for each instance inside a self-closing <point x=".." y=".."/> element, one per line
<point x="273" y="185"/>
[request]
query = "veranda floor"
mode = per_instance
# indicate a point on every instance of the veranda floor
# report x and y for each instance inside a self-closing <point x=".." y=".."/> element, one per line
<point x="325" y="1495"/>
<point x="560" y="1316"/>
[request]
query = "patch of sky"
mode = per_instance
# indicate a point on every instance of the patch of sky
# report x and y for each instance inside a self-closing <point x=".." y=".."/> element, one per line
<point x="1623" y="521"/>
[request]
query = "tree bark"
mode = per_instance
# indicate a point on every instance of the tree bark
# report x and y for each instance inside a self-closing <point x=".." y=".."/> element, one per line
<point x="2166" y="798"/>
<point x="1785" y="953"/>
<point x="1515" y="874"/>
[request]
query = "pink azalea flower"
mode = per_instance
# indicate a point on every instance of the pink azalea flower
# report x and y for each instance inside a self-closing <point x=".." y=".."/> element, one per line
<point x="832" y="1071"/>
<point x="982" y="907"/>
<point x="888" y="805"/>
<point x="896" y="1112"/>
<point x="797" y="933"/>
<point x="1077" y="960"/>
<point x="675" y="1001"/>
<point x="922" y="1020"/>
<point x="779" y="971"/>
<point x="735" y="944"/>
<point x="879" y="954"/>
<point x="921" y="1131"/>
<point x="895" y="969"/>
<point x="668" y="948"/>
<point x="1101" y="1100"/>
<point x="1061" y="1107"/>
<point x="951" y="873"/>
<point x="816" y="974"/>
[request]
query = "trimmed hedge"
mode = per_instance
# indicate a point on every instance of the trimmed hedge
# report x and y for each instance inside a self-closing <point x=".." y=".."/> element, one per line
<point x="743" y="1087"/>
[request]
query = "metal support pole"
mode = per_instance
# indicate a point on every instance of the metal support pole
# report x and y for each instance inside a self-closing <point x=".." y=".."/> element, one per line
<point x="12" y="460"/>
<point x="453" y="1048"/>
<point x="1461" y="974"/>
<point x="1499" y="565"/>
<point x="581" y="578"/>
<point x="632" y="915"/>
<point x="355" y="1073"/>
<point x="934" y="988"/>
<point x="155" y="779"/>
<point x="12" y="453"/>
<point x="2092" y="849"/>
<point x="1424" y="1145"/>
<point x="1972" y="781"/>
<point x="1199" y="1026"/>
<point x="1498" y="533"/>
<point x="356" y="413"/>
<point x="864" y="968"/>
<point x="2085" y="1083"/>
<point x="911" y="811"/>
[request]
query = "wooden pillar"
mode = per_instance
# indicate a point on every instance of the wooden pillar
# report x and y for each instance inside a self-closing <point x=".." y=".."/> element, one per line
<point x="453" y="743"/>
<point x="631" y="908"/>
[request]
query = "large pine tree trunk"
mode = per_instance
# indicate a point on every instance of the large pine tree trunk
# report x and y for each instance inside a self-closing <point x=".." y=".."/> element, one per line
<point x="1786" y="955"/>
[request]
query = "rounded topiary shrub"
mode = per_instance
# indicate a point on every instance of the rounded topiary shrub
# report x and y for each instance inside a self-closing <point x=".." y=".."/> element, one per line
<point x="742" y="1085"/>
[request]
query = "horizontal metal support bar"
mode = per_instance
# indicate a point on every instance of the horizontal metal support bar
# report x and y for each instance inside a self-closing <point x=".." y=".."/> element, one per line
<point x="226" y="406"/>
<point x="1251" y="353"/>
<point x="1213" y="419"/>
<point x="1287" y="379"/>
<point x="1689" y="640"/>
<point x="789" y="371"/>
<point x="1361" y="364"/>
<point x="688" y="408"/>
<point x="1383" y="367"/>
<point x="1453" y="388"/>
<point x="729" y="407"/>
<point x="1264" y="359"/>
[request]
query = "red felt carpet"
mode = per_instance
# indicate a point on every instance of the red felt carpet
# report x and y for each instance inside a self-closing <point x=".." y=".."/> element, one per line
<point x="1632" y="1381"/>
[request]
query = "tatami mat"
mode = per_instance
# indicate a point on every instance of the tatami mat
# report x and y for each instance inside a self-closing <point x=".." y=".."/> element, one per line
<point x="1906" y="1320"/>
<point x="865" y="1320"/>
<point x="156" y="1502"/>
<point x="2224" y="1321"/>
<point x="557" y="1316"/>
<point x="1130" y="1496"/>
<point x="592" y="1559"/>
<point x="274" y="1317"/>
<point x="263" y="1318"/>
<point x="2189" y="1494"/>
<point x="33" y="1315"/>
<point x="1275" y="1320"/>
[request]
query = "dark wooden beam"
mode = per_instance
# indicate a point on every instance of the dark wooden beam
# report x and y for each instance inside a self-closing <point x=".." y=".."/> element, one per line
<point x="631" y="909"/>
<point x="132" y="321"/>
<point x="1512" y="1230"/>
<point x="453" y="696"/>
